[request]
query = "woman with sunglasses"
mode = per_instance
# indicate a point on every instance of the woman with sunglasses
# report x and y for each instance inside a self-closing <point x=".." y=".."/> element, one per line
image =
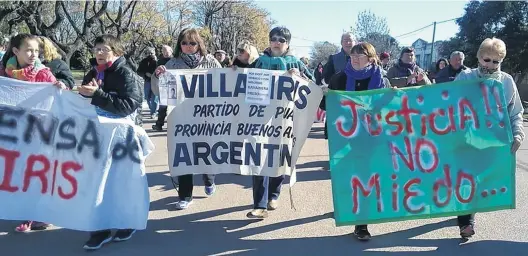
<point x="490" y="55"/>
<point x="266" y="190"/>
<point x="190" y="54"/>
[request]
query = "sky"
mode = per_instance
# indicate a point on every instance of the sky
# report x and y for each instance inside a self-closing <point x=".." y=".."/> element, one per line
<point x="310" y="21"/>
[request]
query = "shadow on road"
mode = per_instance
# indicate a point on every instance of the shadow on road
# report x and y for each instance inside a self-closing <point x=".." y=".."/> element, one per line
<point x="192" y="234"/>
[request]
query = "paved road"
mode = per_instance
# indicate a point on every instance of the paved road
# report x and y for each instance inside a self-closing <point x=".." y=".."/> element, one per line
<point x="218" y="226"/>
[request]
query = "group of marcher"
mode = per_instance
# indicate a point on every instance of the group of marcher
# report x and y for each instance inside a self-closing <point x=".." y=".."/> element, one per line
<point x="357" y="67"/>
<point x="115" y="89"/>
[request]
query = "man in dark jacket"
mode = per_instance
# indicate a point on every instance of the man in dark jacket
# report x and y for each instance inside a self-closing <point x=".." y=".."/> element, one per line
<point x="456" y="65"/>
<point x="337" y="62"/>
<point x="146" y="70"/>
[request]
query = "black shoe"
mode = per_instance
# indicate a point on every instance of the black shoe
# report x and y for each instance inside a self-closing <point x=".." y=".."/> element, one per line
<point x="98" y="239"/>
<point x="157" y="128"/>
<point x="124" y="234"/>
<point x="467" y="231"/>
<point x="362" y="233"/>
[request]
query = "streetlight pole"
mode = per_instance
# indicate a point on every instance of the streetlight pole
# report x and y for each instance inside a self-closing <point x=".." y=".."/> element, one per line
<point x="432" y="45"/>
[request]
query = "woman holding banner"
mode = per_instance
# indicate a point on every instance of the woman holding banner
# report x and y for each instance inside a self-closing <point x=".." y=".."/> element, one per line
<point x="491" y="54"/>
<point x="21" y="62"/>
<point x="115" y="91"/>
<point x="360" y="74"/>
<point x="190" y="54"/>
<point x="266" y="190"/>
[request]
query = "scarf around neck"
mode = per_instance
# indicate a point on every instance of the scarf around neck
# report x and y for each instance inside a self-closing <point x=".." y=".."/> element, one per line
<point x="372" y="71"/>
<point x="405" y="69"/>
<point x="192" y="60"/>
<point x="28" y="73"/>
<point x="485" y="72"/>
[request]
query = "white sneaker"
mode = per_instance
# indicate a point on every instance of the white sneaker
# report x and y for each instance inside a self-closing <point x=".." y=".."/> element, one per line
<point x="184" y="204"/>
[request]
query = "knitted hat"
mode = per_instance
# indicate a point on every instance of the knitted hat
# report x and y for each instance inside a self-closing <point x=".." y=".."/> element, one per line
<point x="384" y="55"/>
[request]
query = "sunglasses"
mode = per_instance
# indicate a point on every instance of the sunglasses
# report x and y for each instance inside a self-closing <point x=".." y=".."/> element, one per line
<point x="494" y="61"/>
<point x="279" y="39"/>
<point x="189" y="43"/>
<point x="103" y="50"/>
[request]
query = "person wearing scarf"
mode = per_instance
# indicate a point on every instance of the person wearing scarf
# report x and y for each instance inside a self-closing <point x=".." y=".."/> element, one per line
<point x="406" y="73"/>
<point x="35" y="72"/>
<point x="21" y="62"/>
<point x="115" y="91"/>
<point x="491" y="54"/>
<point x="360" y="74"/>
<point x="190" y="54"/>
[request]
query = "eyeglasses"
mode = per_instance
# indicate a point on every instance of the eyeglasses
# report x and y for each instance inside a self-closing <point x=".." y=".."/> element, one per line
<point x="103" y="50"/>
<point x="357" y="56"/>
<point x="184" y="43"/>
<point x="494" y="61"/>
<point x="279" y="39"/>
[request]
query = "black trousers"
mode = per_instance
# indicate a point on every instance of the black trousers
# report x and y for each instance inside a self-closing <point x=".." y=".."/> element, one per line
<point x="162" y="113"/>
<point x="186" y="184"/>
<point x="465" y="220"/>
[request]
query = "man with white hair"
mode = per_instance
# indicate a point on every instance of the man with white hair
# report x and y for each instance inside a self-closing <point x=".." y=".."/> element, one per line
<point x="456" y="65"/>
<point x="337" y="62"/>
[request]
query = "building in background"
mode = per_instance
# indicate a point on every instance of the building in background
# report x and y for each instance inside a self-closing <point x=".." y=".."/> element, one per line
<point x="422" y="50"/>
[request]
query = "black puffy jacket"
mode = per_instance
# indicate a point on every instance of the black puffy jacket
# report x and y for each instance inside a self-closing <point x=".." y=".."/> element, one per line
<point x="120" y="92"/>
<point x="61" y="71"/>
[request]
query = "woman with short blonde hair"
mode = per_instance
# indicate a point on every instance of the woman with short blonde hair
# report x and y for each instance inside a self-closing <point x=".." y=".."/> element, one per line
<point x="492" y="46"/>
<point x="50" y="57"/>
<point x="491" y="54"/>
<point x="247" y="54"/>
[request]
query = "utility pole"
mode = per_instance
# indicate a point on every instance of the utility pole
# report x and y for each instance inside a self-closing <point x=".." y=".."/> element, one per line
<point x="432" y="45"/>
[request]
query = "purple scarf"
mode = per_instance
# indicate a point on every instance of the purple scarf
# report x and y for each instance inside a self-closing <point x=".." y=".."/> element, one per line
<point x="372" y="71"/>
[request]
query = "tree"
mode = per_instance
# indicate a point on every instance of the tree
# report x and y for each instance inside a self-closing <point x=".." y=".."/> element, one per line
<point x="505" y="20"/>
<point x="320" y="52"/>
<point x="232" y="22"/>
<point x="374" y="30"/>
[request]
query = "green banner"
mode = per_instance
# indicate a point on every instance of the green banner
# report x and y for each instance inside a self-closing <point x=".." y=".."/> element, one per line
<point x="420" y="152"/>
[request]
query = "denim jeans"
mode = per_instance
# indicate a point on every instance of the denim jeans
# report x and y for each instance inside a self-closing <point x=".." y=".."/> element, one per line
<point x="152" y="100"/>
<point x="266" y="189"/>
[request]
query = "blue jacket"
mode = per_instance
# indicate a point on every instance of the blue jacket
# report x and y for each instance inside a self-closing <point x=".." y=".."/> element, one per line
<point x="285" y="62"/>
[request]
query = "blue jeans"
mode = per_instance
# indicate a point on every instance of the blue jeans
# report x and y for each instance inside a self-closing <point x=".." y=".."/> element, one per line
<point x="152" y="100"/>
<point x="265" y="189"/>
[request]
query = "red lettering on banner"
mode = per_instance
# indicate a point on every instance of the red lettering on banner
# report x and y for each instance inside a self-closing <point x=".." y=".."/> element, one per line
<point x="406" y="112"/>
<point x="464" y="176"/>
<point x="37" y="168"/>
<point x="378" y="130"/>
<point x="462" y="104"/>
<point x="422" y="144"/>
<point x="446" y="182"/>
<point x="408" y="152"/>
<point x="339" y="123"/>
<point x="41" y="174"/>
<point x="372" y="183"/>
<point x="9" y="166"/>
<point x="66" y="167"/>
<point x="398" y="125"/>
<point x="449" y="128"/>
<point x="408" y="195"/>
